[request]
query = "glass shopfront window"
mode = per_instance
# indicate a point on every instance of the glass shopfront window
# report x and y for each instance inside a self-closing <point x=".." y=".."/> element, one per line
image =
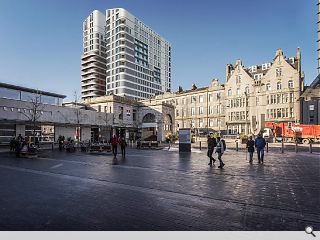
<point x="44" y="133"/>
<point x="7" y="132"/>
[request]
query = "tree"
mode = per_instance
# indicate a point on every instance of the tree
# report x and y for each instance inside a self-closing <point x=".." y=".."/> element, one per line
<point x="34" y="112"/>
<point x="106" y="119"/>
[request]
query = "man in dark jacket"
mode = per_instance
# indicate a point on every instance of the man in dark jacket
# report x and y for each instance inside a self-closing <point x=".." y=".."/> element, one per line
<point x="211" y="145"/>
<point x="114" y="143"/>
<point x="123" y="145"/>
<point x="250" y="147"/>
<point x="260" y="143"/>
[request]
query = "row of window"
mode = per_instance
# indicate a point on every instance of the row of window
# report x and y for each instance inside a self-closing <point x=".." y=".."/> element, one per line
<point x="200" y="123"/>
<point x="280" y="98"/>
<point x="200" y="110"/>
<point x="238" y="91"/>
<point x="279" y="85"/>
<point x="268" y="88"/>
<point x="238" y="102"/>
<point x="238" y="116"/>
<point x="198" y="98"/>
<point x="280" y="113"/>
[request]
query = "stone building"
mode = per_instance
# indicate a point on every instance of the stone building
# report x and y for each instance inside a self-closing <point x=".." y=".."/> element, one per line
<point x="136" y="119"/>
<point x="250" y="97"/>
<point x="201" y="109"/>
<point x="260" y="93"/>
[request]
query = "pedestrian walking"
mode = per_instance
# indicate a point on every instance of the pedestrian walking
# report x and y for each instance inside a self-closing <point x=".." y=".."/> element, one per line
<point x="114" y="143"/>
<point x="123" y="145"/>
<point x="250" y="147"/>
<point x="20" y="138"/>
<point x="60" y="141"/>
<point x="212" y="143"/>
<point x="220" y="148"/>
<point x="18" y="146"/>
<point x="260" y="143"/>
<point x="139" y="143"/>
<point x="12" y="144"/>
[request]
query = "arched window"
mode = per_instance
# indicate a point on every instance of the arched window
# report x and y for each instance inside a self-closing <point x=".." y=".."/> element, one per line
<point x="247" y="90"/>
<point x="279" y="85"/>
<point x="290" y="84"/>
<point x="268" y="87"/>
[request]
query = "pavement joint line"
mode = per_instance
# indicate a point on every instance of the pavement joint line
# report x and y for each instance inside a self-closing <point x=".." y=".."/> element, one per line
<point x="184" y="172"/>
<point x="155" y="191"/>
<point x="56" y="166"/>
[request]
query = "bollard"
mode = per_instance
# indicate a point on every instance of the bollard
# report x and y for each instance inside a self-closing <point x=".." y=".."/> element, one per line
<point x="200" y="145"/>
<point x="296" y="147"/>
<point x="282" y="146"/>
<point x="267" y="147"/>
<point x="310" y="147"/>
<point x="237" y="146"/>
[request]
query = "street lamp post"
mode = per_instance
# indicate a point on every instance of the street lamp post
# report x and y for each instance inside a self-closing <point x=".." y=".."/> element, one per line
<point x="246" y="118"/>
<point x="219" y="109"/>
<point x="207" y="111"/>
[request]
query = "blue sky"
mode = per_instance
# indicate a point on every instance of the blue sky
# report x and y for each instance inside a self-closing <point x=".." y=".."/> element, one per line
<point x="41" y="41"/>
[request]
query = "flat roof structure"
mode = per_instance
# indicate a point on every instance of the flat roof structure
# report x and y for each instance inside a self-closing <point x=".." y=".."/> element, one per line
<point x="31" y="90"/>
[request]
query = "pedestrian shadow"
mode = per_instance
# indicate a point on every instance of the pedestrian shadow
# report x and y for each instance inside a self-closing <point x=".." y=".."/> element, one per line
<point x="115" y="161"/>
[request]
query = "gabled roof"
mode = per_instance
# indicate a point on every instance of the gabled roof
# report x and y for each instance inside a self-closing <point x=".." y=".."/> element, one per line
<point x="315" y="84"/>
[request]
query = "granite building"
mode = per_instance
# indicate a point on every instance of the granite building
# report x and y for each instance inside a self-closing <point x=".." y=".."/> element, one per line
<point x="266" y="92"/>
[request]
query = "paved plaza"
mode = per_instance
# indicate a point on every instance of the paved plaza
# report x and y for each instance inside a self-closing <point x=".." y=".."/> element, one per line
<point x="159" y="190"/>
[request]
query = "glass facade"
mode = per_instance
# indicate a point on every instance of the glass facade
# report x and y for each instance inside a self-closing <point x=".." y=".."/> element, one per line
<point x="9" y="93"/>
<point x="44" y="133"/>
<point x="7" y="132"/>
<point x="28" y="96"/>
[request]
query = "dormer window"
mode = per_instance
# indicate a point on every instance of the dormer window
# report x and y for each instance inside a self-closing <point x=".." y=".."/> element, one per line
<point x="291" y="60"/>
<point x="253" y="68"/>
<point x="266" y="66"/>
